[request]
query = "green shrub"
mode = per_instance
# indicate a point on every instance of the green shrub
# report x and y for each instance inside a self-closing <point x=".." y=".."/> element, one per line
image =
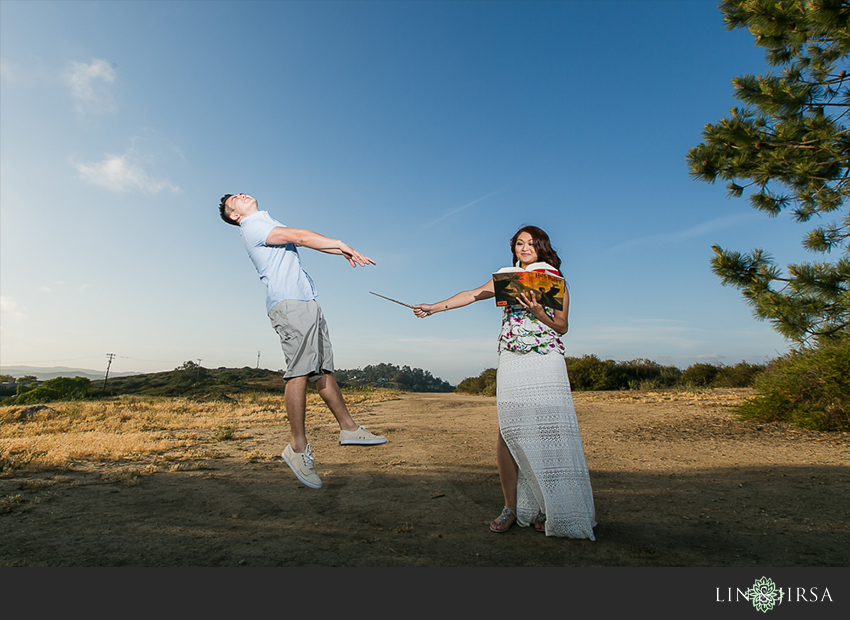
<point x="738" y="376"/>
<point x="37" y="395"/>
<point x="482" y="385"/>
<point x="588" y="372"/>
<point x="809" y="389"/>
<point x="60" y="388"/>
<point x="719" y="376"/>
<point x="700" y="375"/>
<point x="23" y="388"/>
<point x="645" y="374"/>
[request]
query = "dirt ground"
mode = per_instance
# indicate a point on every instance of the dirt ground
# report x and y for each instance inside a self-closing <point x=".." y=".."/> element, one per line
<point x="677" y="481"/>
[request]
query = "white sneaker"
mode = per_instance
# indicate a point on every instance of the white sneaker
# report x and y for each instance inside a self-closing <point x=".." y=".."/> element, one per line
<point x="301" y="464"/>
<point x="359" y="437"/>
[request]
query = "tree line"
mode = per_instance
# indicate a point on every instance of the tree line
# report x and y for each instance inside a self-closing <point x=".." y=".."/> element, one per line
<point x="387" y="375"/>
<point x="590" y="373"/>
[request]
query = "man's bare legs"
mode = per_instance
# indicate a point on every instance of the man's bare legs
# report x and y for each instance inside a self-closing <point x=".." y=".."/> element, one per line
<point x="295" y="398"/>
<point x="329" y="390"/>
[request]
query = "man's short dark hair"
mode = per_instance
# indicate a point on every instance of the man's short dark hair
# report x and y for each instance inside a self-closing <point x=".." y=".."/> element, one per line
<point x="225" y="212"/>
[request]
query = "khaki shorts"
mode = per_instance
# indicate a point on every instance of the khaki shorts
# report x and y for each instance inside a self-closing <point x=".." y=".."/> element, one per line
<point x="303" y="337"/>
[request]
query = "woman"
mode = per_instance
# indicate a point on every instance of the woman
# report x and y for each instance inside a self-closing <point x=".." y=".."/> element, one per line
<point x="539" y="451"/>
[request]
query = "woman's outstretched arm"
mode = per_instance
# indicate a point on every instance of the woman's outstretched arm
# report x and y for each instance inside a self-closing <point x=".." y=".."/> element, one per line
<point x="464" y="298"/>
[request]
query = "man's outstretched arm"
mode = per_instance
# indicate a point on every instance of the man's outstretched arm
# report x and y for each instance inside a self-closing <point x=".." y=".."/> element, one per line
<point x="313" y="240"/>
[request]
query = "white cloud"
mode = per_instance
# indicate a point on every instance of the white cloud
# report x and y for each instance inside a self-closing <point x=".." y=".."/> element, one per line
<point x="88" y="86"/>
<point x="119" y="173"/>
<point x="466" y="206"/>
<point x="51" y="286"/>
<point x="9" y="309"/>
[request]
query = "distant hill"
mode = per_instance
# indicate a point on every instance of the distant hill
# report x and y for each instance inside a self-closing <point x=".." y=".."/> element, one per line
<point x="193" y="380"/>
<point x="44" y="373"/>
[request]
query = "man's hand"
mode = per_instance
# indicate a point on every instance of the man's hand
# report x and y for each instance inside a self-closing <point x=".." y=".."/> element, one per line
<point x="353" y="256"/>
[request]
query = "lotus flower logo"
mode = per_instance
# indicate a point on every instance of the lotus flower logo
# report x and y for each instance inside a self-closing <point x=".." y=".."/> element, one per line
<point x="764" y="594"/>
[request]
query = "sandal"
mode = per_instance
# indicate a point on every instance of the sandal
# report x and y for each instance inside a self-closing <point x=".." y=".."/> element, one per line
<point x="540" y="522"/>
<point x="498" y="525"/>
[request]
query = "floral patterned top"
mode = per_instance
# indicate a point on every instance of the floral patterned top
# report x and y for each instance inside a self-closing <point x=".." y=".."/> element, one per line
<point x="522" y="332"/>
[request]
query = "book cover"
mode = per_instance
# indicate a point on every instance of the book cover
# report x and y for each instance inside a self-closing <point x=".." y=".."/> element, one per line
<point x="547" y="288"/>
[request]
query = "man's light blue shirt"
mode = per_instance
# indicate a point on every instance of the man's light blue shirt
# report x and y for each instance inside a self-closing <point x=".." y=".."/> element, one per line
<point x="279" y="266"/>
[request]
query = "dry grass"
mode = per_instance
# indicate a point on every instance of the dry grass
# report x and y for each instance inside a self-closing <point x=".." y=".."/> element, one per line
<point x="728" y="397"/>
<point x="166" y="433"/>
<point x="179" y="434"/>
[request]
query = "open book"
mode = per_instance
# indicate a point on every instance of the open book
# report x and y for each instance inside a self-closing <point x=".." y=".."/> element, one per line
<point x="540" y="280"/>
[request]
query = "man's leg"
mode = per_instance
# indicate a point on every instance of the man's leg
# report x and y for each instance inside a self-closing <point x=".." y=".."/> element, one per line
<point x="350" y="433"/>
<point x="295" y="398"/>
<point x="298" y="454"/>
<point x="329" y="390"/>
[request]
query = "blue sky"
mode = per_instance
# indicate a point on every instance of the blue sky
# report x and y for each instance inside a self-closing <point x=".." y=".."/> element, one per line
<point x="423" y="134"/>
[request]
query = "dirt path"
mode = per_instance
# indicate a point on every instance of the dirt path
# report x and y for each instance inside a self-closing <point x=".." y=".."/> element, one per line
<point x="677" y="482"/>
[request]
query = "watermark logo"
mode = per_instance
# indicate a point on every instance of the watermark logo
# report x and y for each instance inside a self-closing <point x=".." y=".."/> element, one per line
<point x="764" y="594"/>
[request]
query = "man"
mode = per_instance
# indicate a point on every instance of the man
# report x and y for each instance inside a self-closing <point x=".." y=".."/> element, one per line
<point x="297" y="318"/>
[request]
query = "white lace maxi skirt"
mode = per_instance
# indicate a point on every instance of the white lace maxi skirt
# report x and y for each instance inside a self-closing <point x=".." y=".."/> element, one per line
<point x="537" y="420"/>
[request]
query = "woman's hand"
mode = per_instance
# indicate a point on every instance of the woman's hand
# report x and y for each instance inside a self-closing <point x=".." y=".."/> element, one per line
<point x="464" y="298"/>
<point x="531" y="304"/>
<point x="422" y="310"/>
<point x="558" y="322"/>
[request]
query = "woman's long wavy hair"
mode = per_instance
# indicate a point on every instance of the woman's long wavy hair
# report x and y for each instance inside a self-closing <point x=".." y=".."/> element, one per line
<point x="545" y="253"/>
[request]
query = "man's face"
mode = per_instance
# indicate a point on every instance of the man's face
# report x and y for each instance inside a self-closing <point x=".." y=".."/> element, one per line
<point x="240" y="205"/>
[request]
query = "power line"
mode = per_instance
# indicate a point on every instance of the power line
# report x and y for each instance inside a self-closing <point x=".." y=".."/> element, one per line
<point x="138" y="359"/>
<point x="89" y="357"/>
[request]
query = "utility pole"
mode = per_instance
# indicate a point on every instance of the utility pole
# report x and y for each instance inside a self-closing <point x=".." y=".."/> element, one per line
<point x="198" y="378"/>
<point x="110" y="357"/>
<point x="258" y="360"/>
